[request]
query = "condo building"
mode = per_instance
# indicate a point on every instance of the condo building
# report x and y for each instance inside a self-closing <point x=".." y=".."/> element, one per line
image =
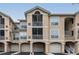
<point x="41" y="32"/>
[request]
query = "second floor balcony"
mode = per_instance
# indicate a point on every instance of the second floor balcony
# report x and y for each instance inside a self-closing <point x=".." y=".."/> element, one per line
<point x="2" y="38"/>
<point x="37" y="37"/>
<point x="37" y="24"/>
<point x="69" y="35"/>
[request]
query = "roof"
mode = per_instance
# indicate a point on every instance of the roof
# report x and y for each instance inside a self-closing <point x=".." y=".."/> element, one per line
<point x="38" y="7"/>
<point x="1" y="13"/>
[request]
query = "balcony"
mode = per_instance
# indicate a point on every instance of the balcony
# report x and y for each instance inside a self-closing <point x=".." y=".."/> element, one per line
<point x="1" y="25"/>
<point x="37" y="24"/>
<point x="2" y="38"/>
<point x="68" y="33"/>
<point x="68" y="36"/>
<point x="16" y="38"/>
<point x="37" y="37"/>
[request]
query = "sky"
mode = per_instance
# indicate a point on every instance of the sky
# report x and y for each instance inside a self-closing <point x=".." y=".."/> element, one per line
<point x="16" y="10"/>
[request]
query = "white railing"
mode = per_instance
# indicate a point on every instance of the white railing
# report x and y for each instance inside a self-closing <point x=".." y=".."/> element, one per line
<point x="69" y="38"/>
<point x="68" y="33"/>
<point x="37" y="36"/>
<point x="37" y="23"/>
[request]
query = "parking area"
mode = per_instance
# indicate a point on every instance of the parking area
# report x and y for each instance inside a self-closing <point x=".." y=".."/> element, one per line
<point x="39" y="53"/>
<point x="7" y="53"/>
<point x="23" y="53"/>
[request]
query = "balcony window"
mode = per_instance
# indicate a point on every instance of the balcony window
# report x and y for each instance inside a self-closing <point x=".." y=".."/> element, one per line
<point x="37" y="19"/>
<point x="23" y="35"/>
<point x="54" y="33"/>
<point x="2" y="34"/>
<point x="16" y="36"/>
<point x="23" y="25"/>
<point x="1" y="22"/>
<point x="54" y="20"/>
<point x="37" y="33"/>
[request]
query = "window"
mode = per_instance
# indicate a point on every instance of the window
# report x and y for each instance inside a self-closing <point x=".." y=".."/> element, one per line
<point x="54" y="20"/>
<point x="1" y="20"/>
<point x="37" y="19"/>
<point x="54" y="33"/>
<point x="23" y="35"/>
<point x="23" y="25"/>
<point x="37" y="33"/>
<point x="1" y="32"/>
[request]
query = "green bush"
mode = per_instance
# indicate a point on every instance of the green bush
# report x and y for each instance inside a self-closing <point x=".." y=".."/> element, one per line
<point x="77" y="53"/>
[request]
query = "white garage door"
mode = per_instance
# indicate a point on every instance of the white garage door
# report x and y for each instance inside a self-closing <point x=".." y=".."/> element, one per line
<point x="25" y="48"/>
<point x="14" y="47"/>
<point x="55" y="48"/>
<point x="38" y="48"/>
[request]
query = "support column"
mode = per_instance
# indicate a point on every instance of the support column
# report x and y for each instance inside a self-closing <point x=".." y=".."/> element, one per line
<point x="63" y="46"/>
<point x="5" y="47"/>
<point x="19" y="47"/>
<point x="47" y="48"/>
<point x="31" y="47"/>
<point x="77" y="47"/>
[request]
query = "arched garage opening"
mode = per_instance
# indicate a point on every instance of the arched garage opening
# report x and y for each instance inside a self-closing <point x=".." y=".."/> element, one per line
<point x="25" y="47"/>
<point x="1" y="47"/>
<point x="70" y="48"/>
<point x="14" y="47"/>
<point x="55" y="48"/>
<point x="39" y="47"/>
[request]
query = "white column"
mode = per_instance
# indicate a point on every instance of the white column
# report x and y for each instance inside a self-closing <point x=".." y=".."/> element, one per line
<point x="47" y="48"/>
<point x="19" y="47"/>
<point x="31" y="47"/>
<point x="63" y="45"/>
<point x="5" y="47"/>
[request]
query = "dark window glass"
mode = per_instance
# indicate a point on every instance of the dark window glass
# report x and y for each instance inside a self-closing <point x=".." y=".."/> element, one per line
<point x="37" y="31"/>
<point x="1" y="20"/>
<point x="34" y="31"/>
<point x="34" y="17"/>
<point x="1" y="32"/>
<point x="72" y="33"/>
<point x="40" y="17"/>
<point x="40" y="31"/>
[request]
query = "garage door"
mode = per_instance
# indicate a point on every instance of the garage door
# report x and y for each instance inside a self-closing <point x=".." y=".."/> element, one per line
<point x="14" y="47"/>
<point x="1" y="48"/>
<point x="55" y="48"/>
<point x="25" y="48"/>
<point x="38" y="48"/>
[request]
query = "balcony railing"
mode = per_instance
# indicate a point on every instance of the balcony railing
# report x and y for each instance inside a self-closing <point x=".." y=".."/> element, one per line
<point x="16" y="38"/>
<point x="37" y="23"/>
<point x="2" y="38"/>
<point x="23" y="27"/>
<point x="37" y="37"/>
<point x="1" y="25"/>
<point x="23" y="37"/>
<point x="69" y="38"/>
<point x="68" y="33"/>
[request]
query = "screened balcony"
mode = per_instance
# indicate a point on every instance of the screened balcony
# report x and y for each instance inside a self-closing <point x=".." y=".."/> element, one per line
<point x="1" y="22"/>
<point x="37" y="23"/>
<point x="2" y="33"/>
<point x="37" y="19"/>
<point x="37" y="36"/>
